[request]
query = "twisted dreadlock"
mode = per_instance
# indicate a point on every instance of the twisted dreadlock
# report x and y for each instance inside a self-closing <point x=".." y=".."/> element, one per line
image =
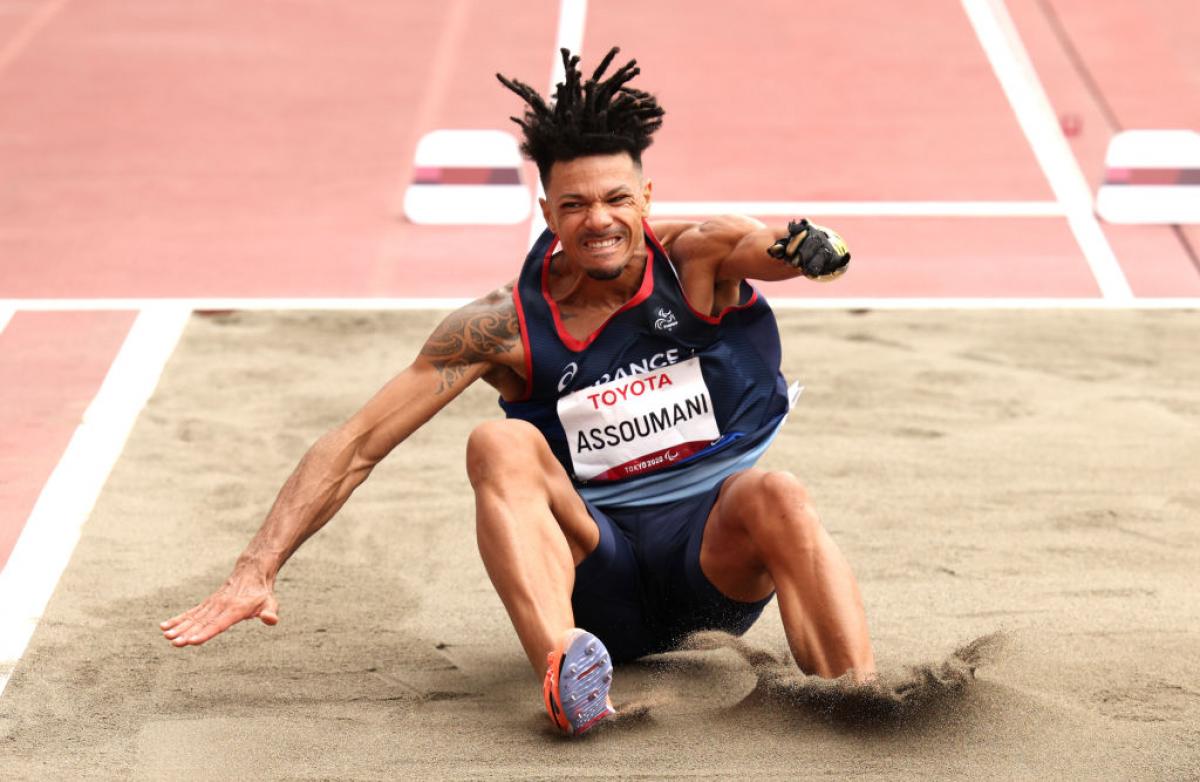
<point x="586" y="118"/>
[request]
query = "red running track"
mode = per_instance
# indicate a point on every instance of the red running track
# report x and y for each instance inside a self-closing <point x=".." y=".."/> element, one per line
<point x="52" y="364"/>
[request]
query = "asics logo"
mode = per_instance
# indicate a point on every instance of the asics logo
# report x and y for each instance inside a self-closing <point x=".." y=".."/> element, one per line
<point x="569" y="372"/>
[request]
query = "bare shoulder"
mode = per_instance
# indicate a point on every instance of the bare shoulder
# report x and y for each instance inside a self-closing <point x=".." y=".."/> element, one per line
<point x="484" y="332"/>
<point x="707" y="242"/>
<point x="668" y="231"/>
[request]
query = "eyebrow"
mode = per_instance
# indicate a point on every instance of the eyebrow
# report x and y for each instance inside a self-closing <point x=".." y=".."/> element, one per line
<point x="578" y="196"/>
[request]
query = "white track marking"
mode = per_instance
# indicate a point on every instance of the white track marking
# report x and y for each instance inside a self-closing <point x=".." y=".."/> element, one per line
<point x="949" y="303"/>
<point x="859" y="208"/>
<point x="226" y="304"/>
<point x="434" y="305"/>
<point x="572" y="18"/>
<point x="52" y="530"/>
<point x="5" y="316"/>
<point x="537" y="223"/>
<point x="998" y="209"/>
<point x="1019" y="80"/>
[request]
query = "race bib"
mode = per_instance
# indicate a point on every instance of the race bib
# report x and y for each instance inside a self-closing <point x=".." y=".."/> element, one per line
<point x="640" y="424"/>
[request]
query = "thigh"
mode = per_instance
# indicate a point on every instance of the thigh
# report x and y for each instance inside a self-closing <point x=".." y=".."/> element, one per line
<point x="509" y="460"/>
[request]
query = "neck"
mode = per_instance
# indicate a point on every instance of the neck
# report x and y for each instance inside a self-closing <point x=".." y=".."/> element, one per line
<point x="575" y="286"/>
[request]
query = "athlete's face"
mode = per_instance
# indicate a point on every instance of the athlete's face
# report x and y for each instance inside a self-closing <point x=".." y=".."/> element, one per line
<point x="596" y="204"/>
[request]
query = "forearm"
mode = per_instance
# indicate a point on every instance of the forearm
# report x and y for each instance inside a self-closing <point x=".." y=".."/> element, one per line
<point x="342" y="459"/>
<point x="316" y="490"/>
<point x="780" y="253"/>
<point x="751" y="253"/>
<point x="459" y="352"/>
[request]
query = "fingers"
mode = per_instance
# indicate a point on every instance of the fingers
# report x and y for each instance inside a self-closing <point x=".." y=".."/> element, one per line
<point x="200" y="628"/>
<point x="178" y="625"/>
<point x="167" y="625"/>
<point x="206" y="629"/>
<point x="185" y="625"/>
<point x="216" y="615"/>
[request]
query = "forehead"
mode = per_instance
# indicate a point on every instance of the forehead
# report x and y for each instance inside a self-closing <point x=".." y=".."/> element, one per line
<point x="594" y="174"/>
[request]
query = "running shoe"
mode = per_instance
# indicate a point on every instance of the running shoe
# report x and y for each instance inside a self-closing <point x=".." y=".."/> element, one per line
<point x="578" y="676"/>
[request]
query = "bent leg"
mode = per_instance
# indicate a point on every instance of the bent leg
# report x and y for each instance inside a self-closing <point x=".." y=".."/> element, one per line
<point x="532" y="529"/>
<point x="764" y="534"/>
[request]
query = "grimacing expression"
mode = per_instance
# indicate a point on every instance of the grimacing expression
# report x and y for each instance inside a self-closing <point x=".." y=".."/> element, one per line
<point x="595" y="205"/>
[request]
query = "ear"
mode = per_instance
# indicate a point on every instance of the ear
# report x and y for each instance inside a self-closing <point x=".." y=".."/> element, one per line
<point x="647" y="188"/>
<point x="547" y="215"/>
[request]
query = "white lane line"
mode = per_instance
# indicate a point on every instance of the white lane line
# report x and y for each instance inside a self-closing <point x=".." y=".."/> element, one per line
<point x="860" y="208"/>
<point x="950" y="303"/>
<point x="6" y="314"/>
<point x="572" y="18"/>
<point x="994" y="209"/>
<point x="52" y="529"/>
<point x="227" y="304"/>
<point x="1002" y="43"/>
<point x="431" y="305"/>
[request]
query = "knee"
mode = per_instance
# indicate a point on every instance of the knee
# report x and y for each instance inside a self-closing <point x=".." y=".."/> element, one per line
<point x="782" y="513"/>
<point x="501" y="448"/>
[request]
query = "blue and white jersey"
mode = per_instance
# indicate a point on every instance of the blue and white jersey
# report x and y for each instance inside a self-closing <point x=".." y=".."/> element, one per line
<point x="660" y="402"/>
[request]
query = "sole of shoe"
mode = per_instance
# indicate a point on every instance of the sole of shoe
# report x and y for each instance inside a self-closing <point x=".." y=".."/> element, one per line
<point x="577" y="684"/>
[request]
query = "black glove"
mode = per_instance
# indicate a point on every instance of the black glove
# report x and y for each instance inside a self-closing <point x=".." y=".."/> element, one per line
<point x="818" y="252"/>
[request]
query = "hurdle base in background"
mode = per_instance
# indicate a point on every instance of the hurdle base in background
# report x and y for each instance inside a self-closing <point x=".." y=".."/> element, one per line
<point x="467" y="177"/>
<point x="1152" y="177"/>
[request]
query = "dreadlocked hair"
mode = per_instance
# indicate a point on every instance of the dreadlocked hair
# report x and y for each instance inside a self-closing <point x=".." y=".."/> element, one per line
<point x="590" y="117"/>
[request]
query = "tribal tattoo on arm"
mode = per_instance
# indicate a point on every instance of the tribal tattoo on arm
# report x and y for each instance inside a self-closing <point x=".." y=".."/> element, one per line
<point x="474" y="334"/>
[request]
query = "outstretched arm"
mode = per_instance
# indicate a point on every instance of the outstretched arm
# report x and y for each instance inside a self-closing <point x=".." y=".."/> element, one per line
<point x="477" y="339"/>
<point x="735" y="248"/>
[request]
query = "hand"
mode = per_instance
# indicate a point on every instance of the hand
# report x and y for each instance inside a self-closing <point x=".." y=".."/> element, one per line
<point x="238" y="598"/>
<point x="818" y="252"/>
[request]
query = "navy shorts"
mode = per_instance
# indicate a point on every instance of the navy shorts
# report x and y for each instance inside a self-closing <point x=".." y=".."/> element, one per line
<point x="642" y="591"/>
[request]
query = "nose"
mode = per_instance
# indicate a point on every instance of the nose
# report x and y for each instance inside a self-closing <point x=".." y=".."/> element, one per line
<point x="598" y="218"/>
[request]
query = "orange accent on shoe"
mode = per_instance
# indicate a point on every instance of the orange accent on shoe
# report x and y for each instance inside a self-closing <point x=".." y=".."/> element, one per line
<point x="550" y="692"/>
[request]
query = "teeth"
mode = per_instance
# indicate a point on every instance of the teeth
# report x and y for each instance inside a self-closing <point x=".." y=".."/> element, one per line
<point x="599" y="245"/>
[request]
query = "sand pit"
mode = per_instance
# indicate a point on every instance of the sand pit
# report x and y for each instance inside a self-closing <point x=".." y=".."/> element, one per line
<point x="1016" y="490"/>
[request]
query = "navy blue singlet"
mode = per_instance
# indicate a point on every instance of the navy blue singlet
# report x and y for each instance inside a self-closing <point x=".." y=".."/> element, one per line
<point x="661" y="402"/>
